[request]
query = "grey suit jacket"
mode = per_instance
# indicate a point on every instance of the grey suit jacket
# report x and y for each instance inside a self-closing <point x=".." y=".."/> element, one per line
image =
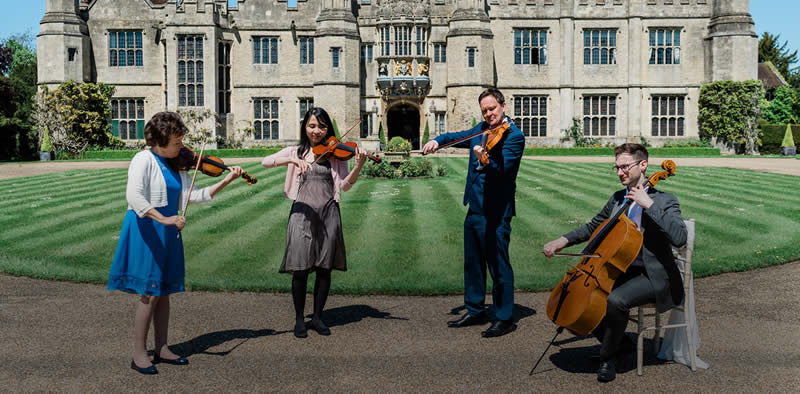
<point x="663" y="226"/>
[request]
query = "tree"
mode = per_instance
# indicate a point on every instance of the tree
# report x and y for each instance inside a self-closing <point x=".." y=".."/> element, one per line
<point x="729" y="111"/>
<point x="17" y="88"/>
<point x="784" y="108"/>
<point x="770" y="49"/>
<point x="426" y="135"/>
<point x="76" y="115"/>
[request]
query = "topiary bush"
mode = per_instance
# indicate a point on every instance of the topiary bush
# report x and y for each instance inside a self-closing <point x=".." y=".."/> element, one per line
<point x="398" y="144"/>
<point x="416" y="167"/>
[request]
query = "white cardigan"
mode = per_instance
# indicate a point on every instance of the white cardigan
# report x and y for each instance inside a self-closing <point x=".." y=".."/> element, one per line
<point x="147" y="188"/>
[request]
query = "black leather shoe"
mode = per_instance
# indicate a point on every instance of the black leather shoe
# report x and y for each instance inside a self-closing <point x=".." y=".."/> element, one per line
<point x="151" y="370"/>
<point x="607" y="372"/>
<point x="499" y="328"/>
<point x="178" y="361"/>
<point x="300" y="330"/>
<point x="320" y="327"/>
<point x="467" y="320"/>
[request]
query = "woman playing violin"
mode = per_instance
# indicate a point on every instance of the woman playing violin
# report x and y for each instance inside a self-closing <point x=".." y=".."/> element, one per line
<point x="149" y="257"/>
<point x="314" y="240"/>
<point x="653" y="276"/>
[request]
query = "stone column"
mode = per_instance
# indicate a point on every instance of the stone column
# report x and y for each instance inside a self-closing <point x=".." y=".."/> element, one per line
<point x="469" y="28"/>
<point x="63" y="44"/>
<point x="731" y="45"/>
<point x="337" y="90"/>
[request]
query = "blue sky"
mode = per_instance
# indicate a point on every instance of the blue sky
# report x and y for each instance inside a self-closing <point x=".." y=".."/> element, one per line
<point x="774" y="16"/>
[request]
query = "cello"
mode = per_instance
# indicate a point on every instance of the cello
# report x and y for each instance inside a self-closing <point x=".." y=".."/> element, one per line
<point x="578" y="303"/>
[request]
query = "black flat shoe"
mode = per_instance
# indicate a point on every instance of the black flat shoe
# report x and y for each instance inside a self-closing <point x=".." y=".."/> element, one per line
<point x="467" y="320"/>
<point x="320" y="328"/>
<point x="178" y="361"/>
<point x="151" y="370"/>
<point x="499" y="328"/>
<point x="300" y="330"/>
<point x="607" y="372"/>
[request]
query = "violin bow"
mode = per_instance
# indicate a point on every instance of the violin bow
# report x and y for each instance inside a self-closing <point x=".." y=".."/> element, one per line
<point x="469" y="137"/>
<point x="196" y="167"/>
<point x="340" y="139"/>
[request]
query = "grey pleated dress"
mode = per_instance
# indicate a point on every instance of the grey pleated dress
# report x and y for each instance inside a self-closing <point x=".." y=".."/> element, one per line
<point x="314" y="235"/>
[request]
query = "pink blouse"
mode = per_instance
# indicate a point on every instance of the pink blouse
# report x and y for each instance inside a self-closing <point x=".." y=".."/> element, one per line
<point x="338" y="170"/>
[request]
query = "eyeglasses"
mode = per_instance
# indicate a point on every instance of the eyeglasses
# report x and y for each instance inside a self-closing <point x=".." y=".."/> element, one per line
<point x="626" y="167"/>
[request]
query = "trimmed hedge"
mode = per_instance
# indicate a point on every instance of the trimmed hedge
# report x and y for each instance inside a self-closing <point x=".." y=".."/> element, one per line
<point x="609" y="151"/>
<point x="772" y="136"/>
<point x="223" y="153"/>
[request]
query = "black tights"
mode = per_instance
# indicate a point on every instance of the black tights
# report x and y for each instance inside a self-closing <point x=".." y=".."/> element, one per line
<point x="322" y="284"/>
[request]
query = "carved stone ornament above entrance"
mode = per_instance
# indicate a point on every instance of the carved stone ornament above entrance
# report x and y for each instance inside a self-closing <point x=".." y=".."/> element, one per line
<point x="393" y="9"/>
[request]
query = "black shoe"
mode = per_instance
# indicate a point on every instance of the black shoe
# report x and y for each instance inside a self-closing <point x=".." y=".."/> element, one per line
<point x="320" y="327"/>
<point x="178" y="361"/>
<point x="499" y="328"/>
<point x="151" y="370"/>
<point x="467" y="320"/>
<point x="300" y="330"/>
<point x="607" y="372"/>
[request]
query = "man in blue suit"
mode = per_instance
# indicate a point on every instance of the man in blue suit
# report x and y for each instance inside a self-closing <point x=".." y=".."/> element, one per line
<point x="489" y="193"/>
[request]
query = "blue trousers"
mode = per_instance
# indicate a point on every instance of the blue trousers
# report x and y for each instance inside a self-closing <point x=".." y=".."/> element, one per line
<point x="486" y="246"/>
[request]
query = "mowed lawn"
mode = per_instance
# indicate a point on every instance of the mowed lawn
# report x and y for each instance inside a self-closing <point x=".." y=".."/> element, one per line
<point x="402" y="236"/>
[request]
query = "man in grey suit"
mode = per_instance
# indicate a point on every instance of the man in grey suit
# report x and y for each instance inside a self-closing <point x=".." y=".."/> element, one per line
<point x="653" y="277"/>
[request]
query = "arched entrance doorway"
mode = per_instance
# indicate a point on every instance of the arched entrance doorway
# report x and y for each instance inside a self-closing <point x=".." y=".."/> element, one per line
<point x="403" y="121"/>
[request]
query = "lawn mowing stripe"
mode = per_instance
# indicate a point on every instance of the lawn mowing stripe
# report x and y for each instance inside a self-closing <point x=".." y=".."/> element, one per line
<point x="72" y="215"/>
<point x="64" y="188"/>
<point x="16" y="184"/>
<point x="53" y="204"/>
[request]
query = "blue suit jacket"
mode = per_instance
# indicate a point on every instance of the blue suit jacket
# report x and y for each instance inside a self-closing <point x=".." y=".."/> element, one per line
<point x="490" y="190"/>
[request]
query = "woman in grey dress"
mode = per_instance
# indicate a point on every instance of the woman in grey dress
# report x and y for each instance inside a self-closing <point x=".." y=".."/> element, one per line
<point x="314" y="240"/>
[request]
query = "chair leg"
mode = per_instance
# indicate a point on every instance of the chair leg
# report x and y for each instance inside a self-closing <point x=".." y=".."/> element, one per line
<point x="690" y="327"/>
<point x="639" y="341"/>
<point x="639" y="353"/>
<point x="658" y="334"/>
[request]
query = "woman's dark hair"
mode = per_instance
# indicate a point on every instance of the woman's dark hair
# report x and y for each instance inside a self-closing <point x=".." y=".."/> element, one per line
<point x="162" y="126"/>
<point x="323" y="119"/>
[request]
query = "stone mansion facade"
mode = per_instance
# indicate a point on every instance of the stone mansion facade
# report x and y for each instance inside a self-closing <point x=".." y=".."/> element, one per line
<point x="625" y="68"/>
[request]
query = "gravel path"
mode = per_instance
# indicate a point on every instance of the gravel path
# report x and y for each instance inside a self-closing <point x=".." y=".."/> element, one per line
<point x="60" y="336"/>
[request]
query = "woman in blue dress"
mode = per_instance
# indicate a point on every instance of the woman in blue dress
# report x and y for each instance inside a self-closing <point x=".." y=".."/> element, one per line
<point x="149" y="257"/>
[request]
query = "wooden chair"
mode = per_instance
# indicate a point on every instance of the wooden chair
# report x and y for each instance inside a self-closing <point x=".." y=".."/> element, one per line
<point x="683" y="258"/>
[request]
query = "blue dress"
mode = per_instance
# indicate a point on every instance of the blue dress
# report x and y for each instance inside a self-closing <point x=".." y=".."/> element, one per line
<point x="149" y="257"/>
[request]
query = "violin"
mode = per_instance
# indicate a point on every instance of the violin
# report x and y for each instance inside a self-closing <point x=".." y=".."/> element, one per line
<point x="210" y="165"/>
<point x="493" y="136"/>
<point x="340" y="150"/>
<point x="578" y="303"/>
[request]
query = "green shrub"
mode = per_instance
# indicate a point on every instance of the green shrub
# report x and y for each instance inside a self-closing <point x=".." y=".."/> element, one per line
<point x="729" y="111"/>
<point x="46" y="145"/>
<point x="575" y="134"/>
<point x="772" y="136"/>
<point x="416" y="167"/>
<point x="426" y="135"/>
<point x="788" y="141"/>
<point x="440" y="171"/>
<point x="221" y="153"/>
<point x="689" y="143"/>
<point x="609" y="151"/>
<point x="398" y="144"/>
<point x="380" y="135"/>
<point x="378" y="170"/>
